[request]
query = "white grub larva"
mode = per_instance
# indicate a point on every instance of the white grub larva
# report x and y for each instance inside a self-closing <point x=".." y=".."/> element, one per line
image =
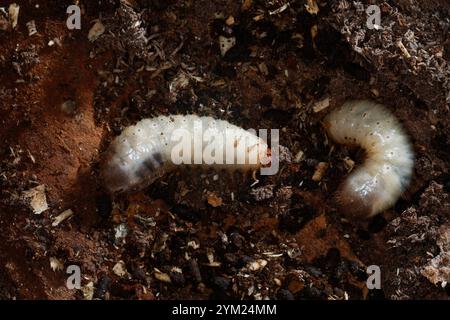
<point x="147" y="150"/>
<point x="386" y="172"/>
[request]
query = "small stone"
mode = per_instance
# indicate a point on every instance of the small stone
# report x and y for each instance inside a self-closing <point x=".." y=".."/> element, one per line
<point x="321" y="105"/>
<point x="161" y="276"/>
<point x="63" y="216"/>
<point x="36" y="198"/>
<point x="119" y="269"/>
<point x="226" y="44"/>
<point x="257" y="265"/>
<point x="56" y="264"/>
<point x="212" y="262"/>
<point x="214" y="200"/>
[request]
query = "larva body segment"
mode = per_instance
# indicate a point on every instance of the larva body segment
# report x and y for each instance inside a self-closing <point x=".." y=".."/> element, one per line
<point x="147" y="150"/>
<point x="379" y="181"/>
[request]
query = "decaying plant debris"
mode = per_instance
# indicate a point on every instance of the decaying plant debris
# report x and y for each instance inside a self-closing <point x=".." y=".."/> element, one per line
<point x="208" y="234"/>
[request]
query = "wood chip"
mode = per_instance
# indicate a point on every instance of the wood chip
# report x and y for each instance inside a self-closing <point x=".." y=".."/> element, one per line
<point x="321" y="168"/>
<point x="31" y="26"/>
<point x="403" y="49"/>
<point x="280" y="9"/>
<point x="257" y="265"/>
<point x="13" y="14"/>
<point x="230" y="21"/>
<point x="63" y="216"/>
<point x="321" y="105"/>
<point x="96" y="31"/>
<point x="161" y="276"/>
<point x="214" y="200"/>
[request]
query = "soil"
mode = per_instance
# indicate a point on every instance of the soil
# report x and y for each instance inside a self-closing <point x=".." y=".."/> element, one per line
<point x="202" y="234"/>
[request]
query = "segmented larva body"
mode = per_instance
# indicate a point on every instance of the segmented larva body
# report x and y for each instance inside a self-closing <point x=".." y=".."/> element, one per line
<point x="147" y="150"/>
<point x="386" y="172"/>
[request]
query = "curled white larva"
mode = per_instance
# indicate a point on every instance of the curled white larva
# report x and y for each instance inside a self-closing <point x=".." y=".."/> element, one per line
<point x="147" y="150"/>
<point x="386" y="172"/>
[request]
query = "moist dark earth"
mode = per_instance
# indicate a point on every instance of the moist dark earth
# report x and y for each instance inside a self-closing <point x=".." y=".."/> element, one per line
<point x="211" y="234"/>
